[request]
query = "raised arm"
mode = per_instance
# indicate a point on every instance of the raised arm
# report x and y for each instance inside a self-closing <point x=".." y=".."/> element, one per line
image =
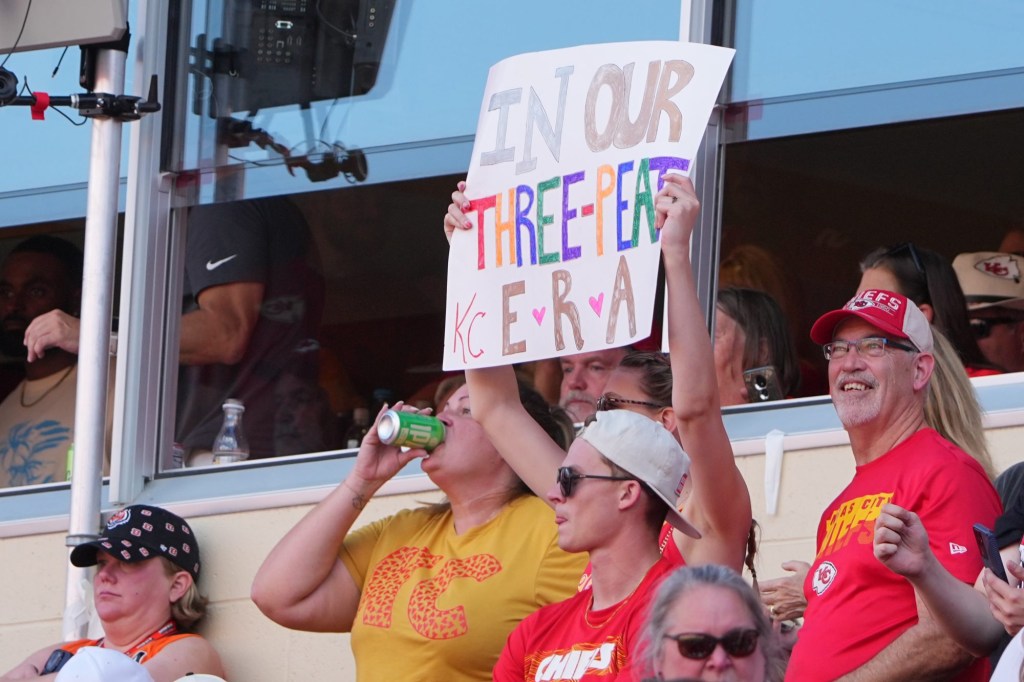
<point x="520" y="441"/>
<point x="720" y="503"/>
<point x="961" y="611"/>
<point x="303" y="584"/>
<point x="494" y="395"/>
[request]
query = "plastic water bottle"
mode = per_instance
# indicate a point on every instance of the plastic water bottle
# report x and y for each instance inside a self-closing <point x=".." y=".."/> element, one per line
<point x="230" y="444"/>
<point x="360" y="425"/>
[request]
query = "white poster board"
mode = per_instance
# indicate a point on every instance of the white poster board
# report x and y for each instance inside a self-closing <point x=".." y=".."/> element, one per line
<point x="571" y="148"/>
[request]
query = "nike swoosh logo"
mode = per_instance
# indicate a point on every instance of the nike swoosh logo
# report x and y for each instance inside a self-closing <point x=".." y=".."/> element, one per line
<point x="214" y="264"/>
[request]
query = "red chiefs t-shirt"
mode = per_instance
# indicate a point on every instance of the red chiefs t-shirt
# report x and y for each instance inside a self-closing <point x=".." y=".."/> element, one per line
<point x="568" y="641"/>
<point x="855" y="605"/>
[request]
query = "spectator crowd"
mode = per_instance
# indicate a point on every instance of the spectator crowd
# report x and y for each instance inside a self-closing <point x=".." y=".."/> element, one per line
<point x="603" y="536"/>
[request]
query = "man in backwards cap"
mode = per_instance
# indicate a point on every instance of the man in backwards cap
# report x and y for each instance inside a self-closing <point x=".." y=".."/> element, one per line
<point x="615" y="489"/>
<point x="145" y="595"/>
<point x="862" y="619"/>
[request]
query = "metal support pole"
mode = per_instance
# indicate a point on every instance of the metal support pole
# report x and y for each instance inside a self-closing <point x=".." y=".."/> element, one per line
<point x="93" y="356"/>
<point x="707" y="175"/>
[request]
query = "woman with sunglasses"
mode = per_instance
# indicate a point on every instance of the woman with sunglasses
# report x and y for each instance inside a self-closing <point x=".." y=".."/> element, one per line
<point x="707" y="623"/>
<point x="928" y="279"/>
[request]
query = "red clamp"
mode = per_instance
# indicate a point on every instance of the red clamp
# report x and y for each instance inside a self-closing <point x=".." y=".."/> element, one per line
<point x="42" y="101"/>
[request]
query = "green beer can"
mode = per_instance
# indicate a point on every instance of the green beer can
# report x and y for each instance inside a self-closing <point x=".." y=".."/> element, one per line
<point x="410" y="430"/>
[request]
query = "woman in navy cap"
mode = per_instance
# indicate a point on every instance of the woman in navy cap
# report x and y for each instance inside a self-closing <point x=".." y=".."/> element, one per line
<point x="146" y="597"/>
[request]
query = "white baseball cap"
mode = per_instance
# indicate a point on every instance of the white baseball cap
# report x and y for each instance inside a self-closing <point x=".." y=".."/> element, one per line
<point x="991" y="279"/>
<point x="96" y="664"/>
<point x="647" y="450"/>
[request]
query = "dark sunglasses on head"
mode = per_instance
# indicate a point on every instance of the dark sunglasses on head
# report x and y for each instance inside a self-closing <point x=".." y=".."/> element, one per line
<point x="567" y="480"/>
<point x="982" y="326"/>
<point x="911" y="250"/>
<point x="610" y="402"/>
<point x="738" y="643"/>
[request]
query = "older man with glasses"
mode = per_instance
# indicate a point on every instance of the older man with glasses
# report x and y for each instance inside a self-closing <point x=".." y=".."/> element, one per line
<point x="864" y="622"/>
<point x="993" y="285"/>
<point x="584" y="376"/>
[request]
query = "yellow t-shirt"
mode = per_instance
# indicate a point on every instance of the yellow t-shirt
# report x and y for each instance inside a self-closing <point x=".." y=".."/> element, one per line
<point x="439" y="606"/>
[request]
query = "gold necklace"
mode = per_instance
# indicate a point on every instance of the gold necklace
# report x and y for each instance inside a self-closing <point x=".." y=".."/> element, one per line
<point x="586" y="613"/>
<point x="47" y="392"/>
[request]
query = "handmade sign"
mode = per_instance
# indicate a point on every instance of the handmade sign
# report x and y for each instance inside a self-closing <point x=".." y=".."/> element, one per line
<point x="571" y="148"/>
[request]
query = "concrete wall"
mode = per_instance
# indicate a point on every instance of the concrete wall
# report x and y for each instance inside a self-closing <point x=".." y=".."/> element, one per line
<point x="253" y="648"/>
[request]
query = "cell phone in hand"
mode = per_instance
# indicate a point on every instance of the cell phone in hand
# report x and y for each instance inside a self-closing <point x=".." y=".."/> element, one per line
<point x="762" y="384"/>
<point x="989" y="548"/>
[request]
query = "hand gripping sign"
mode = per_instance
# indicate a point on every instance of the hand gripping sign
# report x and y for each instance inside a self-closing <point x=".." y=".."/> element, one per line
<point x="571" y="147"/>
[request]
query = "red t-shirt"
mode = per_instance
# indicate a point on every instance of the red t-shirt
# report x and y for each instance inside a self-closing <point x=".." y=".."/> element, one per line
<point x="855" y="605"/>
<point x="568" y="641"/>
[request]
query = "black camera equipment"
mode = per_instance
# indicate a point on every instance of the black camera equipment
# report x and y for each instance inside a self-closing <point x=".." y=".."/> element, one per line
<point x="8" y="87"/>
<point x="89" y="104"/>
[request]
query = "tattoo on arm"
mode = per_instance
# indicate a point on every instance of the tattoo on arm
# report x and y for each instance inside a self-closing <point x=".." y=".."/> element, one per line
<point x="358" y="499"/>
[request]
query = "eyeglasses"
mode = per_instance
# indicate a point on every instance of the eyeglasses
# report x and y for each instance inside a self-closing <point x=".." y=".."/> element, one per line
<point x="982" y="326"/>
<point x="872" y="347"/>
<point x="738" y="643"/>
<point x="567" y="480"/>
<point x="609" y="402"/>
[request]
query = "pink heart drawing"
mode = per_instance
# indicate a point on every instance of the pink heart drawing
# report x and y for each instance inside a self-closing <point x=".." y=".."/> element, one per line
<point x="539" y="314"/>
<point x="597" y="303"/>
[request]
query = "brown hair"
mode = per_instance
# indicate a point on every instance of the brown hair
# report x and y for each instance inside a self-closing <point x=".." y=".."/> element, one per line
<point x="191" y="607"/>
<point x="655" y="374"/>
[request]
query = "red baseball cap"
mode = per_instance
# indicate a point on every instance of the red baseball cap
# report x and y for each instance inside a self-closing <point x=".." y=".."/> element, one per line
<point x="895" y="314"/>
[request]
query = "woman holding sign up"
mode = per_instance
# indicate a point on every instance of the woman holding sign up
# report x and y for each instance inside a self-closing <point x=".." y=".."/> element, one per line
<point x="718" y="502"/>
<point x="718" y="506"/>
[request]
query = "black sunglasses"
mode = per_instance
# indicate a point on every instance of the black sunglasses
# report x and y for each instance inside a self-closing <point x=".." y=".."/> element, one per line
<point x="914" y="255"/>
<point x="915" y="258"/>
<point x="982" y="326"/>
<point x="738" y="643"/>
<point x="567" y="480"/>
<point x="610" y="402"/>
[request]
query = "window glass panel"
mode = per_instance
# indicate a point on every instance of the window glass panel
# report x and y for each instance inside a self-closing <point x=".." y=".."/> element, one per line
<point x="432" y="71"/>
<point x="40" y="277"/>
<point x="350" y="300"/>
<point x="788" y="47"/>
<point x="818" y="204"/>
